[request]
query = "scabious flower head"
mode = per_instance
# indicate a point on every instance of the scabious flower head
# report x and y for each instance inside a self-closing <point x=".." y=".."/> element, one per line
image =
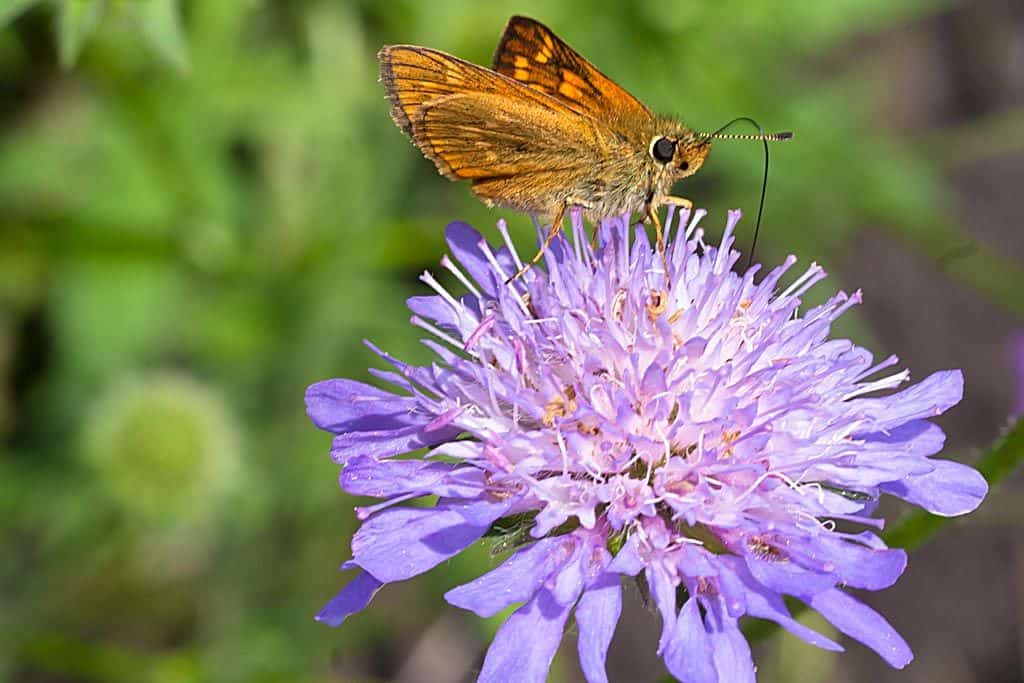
<point x="691" y="429"/>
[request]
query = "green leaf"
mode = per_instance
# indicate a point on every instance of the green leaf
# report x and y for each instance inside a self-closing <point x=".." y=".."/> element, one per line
<point x="160" y="21"/>
<point x="75" y="23"/>
<point x="10" y="10"/>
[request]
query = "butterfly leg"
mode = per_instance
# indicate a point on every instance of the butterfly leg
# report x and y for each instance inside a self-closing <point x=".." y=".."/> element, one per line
<point x="652" y="214"/>
<point x="681" y="202"/>
<point x="556" y="227"/>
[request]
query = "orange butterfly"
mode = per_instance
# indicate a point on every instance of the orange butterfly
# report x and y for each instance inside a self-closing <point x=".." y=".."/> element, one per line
<point x="543" y="131"/>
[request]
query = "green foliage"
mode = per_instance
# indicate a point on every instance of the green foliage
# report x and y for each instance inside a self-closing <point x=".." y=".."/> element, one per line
<point x="211" y="191"/>
<point x="77" y="19"/>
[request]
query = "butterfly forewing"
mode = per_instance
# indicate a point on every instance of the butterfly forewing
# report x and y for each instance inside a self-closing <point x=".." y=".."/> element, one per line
<point x="531" y="54"/>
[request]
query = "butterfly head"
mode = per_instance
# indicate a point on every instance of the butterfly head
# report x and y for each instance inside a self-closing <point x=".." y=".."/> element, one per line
<point x="681" y="153"/>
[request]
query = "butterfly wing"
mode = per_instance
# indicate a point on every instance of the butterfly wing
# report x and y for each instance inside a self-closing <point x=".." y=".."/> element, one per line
<point x="532" y="54"/>
<point x="414" y="75"/>
<point x="517" y="153"/>
<point x="476" y="124"/>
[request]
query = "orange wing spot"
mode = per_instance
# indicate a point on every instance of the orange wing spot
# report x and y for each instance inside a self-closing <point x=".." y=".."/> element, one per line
<point x="521" y="62"/>
<point x="573" y="79"/>
<point x="539" y="87"/>
<point x="569" y="90"/>
<point x="522" y="74"/>
<point x="547" y="41"/>
<point x="470" y="172"/>
<point x="541" y="57"/>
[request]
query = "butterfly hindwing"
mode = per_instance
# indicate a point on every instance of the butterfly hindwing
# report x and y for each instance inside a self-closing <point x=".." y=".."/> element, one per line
<point x="478" y="135"/>
<point x="475" y="123"/>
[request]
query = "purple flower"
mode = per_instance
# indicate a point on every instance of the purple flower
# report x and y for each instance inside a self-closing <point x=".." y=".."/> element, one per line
<point x="694" y="431"/>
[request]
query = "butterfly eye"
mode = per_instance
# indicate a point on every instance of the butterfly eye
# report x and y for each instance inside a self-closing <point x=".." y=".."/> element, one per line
<point x="663" y="150"/>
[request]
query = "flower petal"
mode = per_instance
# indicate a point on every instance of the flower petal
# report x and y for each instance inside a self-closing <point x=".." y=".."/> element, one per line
<point x="918" y="438"/>
<point x="526" y="643"/>
<point x="731" y="653"/>
<point x="353" y="597"/>
<point x="861" y="567"/>
<point x="689" y="654"/>
<point x="464" y="242"/>
<point x="767" y="604"/>
<point x="597" y="615"/>
<point x="365" y="476"/>
<point x="864" y="624"/>
<point x="950" y="489"/>
<point x="387" y="443"/>
<point x="401" y="542"/>
<point x="663" y="590"/>
<point x="516" y="580"/>
<point x="931" y="396"/>
<point x="344" y="405"/>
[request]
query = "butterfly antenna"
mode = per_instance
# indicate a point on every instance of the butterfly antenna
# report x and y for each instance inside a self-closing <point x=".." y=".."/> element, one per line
<point x="764" y="138"/>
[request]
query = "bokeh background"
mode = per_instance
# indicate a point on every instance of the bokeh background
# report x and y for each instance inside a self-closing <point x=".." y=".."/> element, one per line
<point x="204" y="208"/>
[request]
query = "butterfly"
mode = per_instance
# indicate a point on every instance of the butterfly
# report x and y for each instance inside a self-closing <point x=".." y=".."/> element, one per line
<point x="542" y="130"/>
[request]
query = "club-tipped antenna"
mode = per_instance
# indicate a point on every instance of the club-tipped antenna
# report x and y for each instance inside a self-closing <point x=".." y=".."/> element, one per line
<point x="764" y="138"/>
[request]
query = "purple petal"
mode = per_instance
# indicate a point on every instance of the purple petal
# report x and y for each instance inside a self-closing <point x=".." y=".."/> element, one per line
<point x="950" y="489"/>
<point x="364" y="476"/>
<point x="386" y="443"/>
<point x="353" y="597"/>
<point x="526" y="643"/>
<point x="570" y="580"/>
<point x="918" y="438"/>
<point x="663" y="590"/>
<point x="767" y="604"/>
<point x="516" y="580"/>
<point x="731" y="653"/>
<point x="861" y="567"/>
<point x="464" y="241"/>
<point x="401" y="542"/>
<point x="436" y="309"/>
<point x="786" y="577"/>
<point x="868" y="472"/>
<point x="597" y="615"/>
<point x="864" y="624"/>
<point x="628" y="561"/>
<point x="343" y="405"/>
<point x="688" y="655"/>
<point x="930" y="397"/>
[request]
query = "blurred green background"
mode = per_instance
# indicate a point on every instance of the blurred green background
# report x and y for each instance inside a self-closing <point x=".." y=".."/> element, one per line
<point x="204" y="208"/>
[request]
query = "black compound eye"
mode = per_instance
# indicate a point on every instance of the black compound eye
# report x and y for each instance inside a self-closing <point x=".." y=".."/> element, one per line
<point x="684" y="166"/>
<point x="663" y="150"/>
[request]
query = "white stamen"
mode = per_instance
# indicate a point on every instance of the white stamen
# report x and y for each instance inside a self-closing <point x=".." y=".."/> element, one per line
<point x="890" y="382"/>
<point x="457" y="305"/>
<point x="564" y="451"/>
<point x="503" y="229"/>
<point x="420" y="322"/>
<point x="694" y="220"/>
<point x="814" y="270"/>
<point x="454" y="270"/>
